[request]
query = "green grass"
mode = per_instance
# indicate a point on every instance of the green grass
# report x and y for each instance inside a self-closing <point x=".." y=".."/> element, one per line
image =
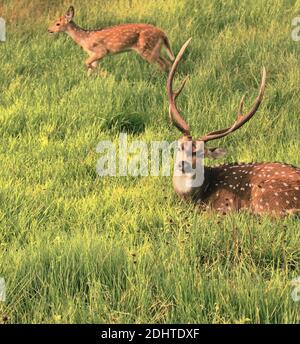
<point x="77" y="248"/>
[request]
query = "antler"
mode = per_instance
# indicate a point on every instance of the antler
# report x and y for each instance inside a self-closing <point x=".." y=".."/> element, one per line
<point x="174" y="114"/>
<point x="181" y="124"/>
<point x="241" y="119"/>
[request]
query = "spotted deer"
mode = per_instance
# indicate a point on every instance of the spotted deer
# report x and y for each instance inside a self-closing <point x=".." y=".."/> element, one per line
<point x="146" y="40"/>
<point x="261" y="188"/>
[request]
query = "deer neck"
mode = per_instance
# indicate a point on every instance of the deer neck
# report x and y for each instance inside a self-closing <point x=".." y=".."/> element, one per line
<point x="78" y="34"/>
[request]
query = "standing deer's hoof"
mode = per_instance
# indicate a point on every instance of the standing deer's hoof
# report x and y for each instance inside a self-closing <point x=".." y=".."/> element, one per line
<point x="89" y="71"/>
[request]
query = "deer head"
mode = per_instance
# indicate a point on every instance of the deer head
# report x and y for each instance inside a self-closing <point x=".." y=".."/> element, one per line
<point x="61" y="24"/>
<point x="189" y="179"/>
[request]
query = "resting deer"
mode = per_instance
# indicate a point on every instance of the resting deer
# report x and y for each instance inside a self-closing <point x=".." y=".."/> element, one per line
<point x="262" y="188"/>
<point x="146" y="40"/>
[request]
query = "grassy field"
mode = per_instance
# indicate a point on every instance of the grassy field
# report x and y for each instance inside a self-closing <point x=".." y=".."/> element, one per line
<point x="78" y="248"/>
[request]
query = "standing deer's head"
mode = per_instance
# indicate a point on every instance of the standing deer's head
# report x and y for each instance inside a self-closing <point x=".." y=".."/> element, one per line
<point x="189" y="159"/>
<point x="61" y="24"/>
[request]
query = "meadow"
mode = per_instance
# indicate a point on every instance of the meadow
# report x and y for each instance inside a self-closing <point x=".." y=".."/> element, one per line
<point x="78" y="248"/>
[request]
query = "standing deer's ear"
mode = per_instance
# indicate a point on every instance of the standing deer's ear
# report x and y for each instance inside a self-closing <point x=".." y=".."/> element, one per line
<point x="70" y="14"/>
<point x="215" y="153"/>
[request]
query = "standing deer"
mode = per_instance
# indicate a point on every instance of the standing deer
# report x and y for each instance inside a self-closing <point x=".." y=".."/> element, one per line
<point x="146" y="40"/>
<point x="262" y="188"/>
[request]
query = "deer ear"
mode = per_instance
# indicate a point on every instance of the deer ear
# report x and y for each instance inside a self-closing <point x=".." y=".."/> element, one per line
<point x="215" y="153"/>
<point x="70" y="14"/>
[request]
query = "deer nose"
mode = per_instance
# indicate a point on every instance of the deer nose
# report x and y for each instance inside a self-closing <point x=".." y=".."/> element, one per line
<point x="50" y="31"/>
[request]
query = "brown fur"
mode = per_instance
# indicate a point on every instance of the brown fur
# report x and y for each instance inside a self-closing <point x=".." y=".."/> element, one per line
<point x="262" y="188"/>
<point x="146" y="40"/>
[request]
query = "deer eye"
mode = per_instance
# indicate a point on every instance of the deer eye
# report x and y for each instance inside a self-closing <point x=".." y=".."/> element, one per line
<point x="58" y="24"/>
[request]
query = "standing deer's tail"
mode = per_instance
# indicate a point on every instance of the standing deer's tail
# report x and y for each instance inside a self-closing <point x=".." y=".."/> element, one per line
<point x="168" y="48"/>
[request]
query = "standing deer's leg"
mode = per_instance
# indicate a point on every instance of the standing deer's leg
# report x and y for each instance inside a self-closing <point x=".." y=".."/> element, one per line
<point x="147" y="55"/>
<point x="91" y="67"/>
<point x="91" y="62"/>
<point x="156" y="56"/>
<point x="94" y="64"/>
<point x="165" y="62"/>
<point x="149" y="47"/>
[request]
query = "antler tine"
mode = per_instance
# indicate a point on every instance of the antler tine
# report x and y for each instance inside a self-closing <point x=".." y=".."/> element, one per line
<point x="176" y="94"/>
<point x="241" y="119"/>
<point x="240" y="111"/>
<point x="174" y="114"/>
